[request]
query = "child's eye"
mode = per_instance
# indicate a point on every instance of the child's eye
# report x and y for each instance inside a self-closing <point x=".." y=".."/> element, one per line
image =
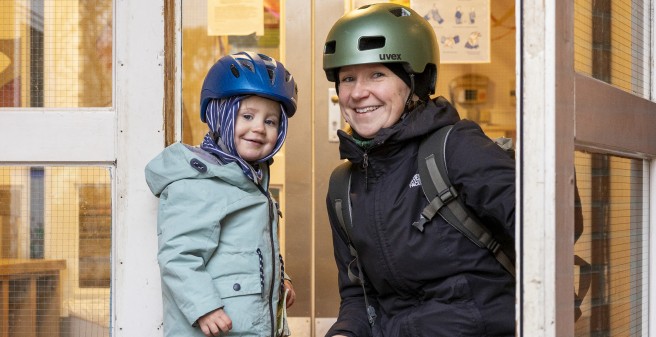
<point x="271" y="122"/>
<point x="247" y="117"/>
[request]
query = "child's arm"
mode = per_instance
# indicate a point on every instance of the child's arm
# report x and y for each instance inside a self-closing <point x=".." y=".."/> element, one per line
<point x="291" y="295"/>
<point x="189" y="228"/>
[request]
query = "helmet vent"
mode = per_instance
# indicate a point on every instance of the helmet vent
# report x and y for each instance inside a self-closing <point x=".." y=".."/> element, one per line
<point x="399" y="12"/>
<point x="371" y="42"/>
<point x="272" y="74"/>
<point x="246" y="64"/>
<point x="234" y="70"/>
<point x="329" y="48"/>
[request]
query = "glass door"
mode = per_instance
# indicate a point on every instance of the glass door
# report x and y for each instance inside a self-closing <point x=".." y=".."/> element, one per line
<point x="56" y="168"/>
<point x="79" y="116"/>
<point x="586" y="107"/>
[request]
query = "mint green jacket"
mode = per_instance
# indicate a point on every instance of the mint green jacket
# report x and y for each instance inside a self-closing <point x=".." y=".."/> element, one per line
<point x="218" y="244"/>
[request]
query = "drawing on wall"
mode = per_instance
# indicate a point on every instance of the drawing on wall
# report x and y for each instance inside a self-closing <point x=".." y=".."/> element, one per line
<point x="462" y="28"/>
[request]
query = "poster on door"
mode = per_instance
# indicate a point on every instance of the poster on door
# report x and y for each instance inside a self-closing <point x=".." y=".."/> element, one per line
<point x="235" y="17"/>
<point x="360" y="3"/>
<point x="462" y="28"/>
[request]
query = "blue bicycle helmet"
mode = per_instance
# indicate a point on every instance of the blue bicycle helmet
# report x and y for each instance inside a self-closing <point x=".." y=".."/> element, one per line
<point x="249" y="73"/>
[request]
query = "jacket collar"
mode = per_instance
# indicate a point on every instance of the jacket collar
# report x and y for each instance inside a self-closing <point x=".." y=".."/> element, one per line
<point x="418" y="123"/>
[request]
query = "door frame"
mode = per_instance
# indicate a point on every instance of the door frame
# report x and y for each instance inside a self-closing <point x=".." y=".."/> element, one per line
<point x="141" y="132"/>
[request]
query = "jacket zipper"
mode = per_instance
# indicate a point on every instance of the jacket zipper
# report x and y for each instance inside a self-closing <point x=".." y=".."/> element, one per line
<point x="365" y="165"/>
<point x="273" y="260"/>
<point x="273" y="268"/>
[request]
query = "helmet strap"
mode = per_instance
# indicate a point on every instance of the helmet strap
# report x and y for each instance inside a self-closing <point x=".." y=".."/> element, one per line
<point x="413" y="100"/>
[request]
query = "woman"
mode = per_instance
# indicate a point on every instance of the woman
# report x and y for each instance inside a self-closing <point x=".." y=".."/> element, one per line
<point x="383" y="59"/>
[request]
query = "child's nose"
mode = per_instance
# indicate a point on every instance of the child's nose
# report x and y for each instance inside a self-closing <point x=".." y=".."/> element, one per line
<point x="258" y="126"/>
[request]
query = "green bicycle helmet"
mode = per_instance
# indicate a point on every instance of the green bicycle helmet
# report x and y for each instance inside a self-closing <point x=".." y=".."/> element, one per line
<point x="383" y="33"/>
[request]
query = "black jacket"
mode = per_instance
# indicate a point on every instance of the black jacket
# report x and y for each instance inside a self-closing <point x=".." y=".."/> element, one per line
<point x="435" y="283"/>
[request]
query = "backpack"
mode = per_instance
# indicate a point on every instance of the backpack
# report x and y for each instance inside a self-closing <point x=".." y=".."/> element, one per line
<point x="443" y="200"/>
<point x="442" y="196"/>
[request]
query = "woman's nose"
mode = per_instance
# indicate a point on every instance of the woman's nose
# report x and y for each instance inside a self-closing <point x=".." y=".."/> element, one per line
<point x="360" y="89"/>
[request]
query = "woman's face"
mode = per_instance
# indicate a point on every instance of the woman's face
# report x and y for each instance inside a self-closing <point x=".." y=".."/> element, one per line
<point x="371" y="97"/>
<point x="256" y="127"/>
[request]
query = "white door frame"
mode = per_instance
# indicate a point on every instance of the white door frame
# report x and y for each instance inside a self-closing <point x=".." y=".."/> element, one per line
<point x="139" y="86"/>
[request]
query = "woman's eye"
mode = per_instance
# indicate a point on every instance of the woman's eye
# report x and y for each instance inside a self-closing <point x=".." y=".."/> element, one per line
<point x="377" y="75"/>
<point x="346" y="79"/>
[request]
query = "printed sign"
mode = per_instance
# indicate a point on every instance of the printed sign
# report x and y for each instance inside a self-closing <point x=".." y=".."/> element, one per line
<point x="462" y="28"/>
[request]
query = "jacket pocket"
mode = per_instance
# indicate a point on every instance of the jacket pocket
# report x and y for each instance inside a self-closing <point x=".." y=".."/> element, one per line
<point x="238" y="285"/>
<point x="440" y="319"/>
<point x="242" y="298"/>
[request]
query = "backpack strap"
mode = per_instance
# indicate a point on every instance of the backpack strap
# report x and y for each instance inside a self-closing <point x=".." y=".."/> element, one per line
<point x="443" y="198"/>
<point x="339" y="190"/>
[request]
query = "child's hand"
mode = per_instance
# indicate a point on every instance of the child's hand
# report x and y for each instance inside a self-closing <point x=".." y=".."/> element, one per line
<point x="215" y="322"/>
<point x="291" y="295"/>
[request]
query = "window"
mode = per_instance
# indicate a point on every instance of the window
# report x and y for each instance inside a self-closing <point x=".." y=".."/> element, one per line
<point x="614" y="241"/>
<point x="56" y="54"/>
<point x="55" y="241"/>
<point x="612" y="43"/>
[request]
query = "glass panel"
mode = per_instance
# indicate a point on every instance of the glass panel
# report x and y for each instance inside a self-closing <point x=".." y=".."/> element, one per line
<point x="614" y="244"/>
<point x="200" y="50"/>
<point x="612" y="42"/>
<point x="95" y="235"/>
<point x="484" y="92"/>
<point x="55" y="240"/>
<point x="56" y="54"/>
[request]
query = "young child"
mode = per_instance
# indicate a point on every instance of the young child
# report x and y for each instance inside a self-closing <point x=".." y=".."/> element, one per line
<point x="219" y="256"/>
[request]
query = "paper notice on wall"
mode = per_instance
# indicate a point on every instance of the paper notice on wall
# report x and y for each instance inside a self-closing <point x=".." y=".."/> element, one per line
<point x="360" y="3"/>
<point x="235" y="17"/>
<point x="462" y="28"/>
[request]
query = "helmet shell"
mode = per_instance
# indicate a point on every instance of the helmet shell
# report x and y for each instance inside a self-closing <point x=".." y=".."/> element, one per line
<point x="249" y="73"/>
<point x="382" y="33"/>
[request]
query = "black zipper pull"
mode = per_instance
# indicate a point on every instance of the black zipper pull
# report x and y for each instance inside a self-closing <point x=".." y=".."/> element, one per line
<point x="365" y="165"/>
<point x="282" y="274"/>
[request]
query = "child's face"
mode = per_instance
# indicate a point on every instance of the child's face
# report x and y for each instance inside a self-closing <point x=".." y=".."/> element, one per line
<point x="256" y="127"/>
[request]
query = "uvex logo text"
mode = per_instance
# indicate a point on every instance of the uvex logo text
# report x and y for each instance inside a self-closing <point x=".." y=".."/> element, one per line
<point x="384" y="57"/>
